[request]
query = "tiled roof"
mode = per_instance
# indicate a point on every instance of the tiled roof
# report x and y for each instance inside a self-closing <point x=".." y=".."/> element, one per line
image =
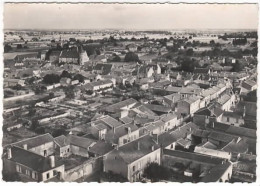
<point x="62" y="141"/>
<point x="166" y="139"/>
<point x="168" y="117"/>
<point x="193" y="156"/>
<point x="117" y="106"/>
<point x="223" y="137"/>
<point x="35" y="141"/>
<point x="158" y="108"/>
<point x="184" y="130"/>
<point x="216" y="172"/>
<point x="236" y="147"/>
<point x="100" y="148"/>
<point x="105" y="67"/>
<point x="130" y="153"/>
<point x="111" y="122"/>
<point x="70" y="53"/>
<point x="223" y="99"/>
<point x="80" y="141"/>
<point x="32" y="160"/>
<point x="201" y="133"/>
<point x="113" y="135"/>
<point x="201" y="70"/>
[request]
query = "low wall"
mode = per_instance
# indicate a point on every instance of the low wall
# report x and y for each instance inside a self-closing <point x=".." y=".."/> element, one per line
<point x="86" y="169"/>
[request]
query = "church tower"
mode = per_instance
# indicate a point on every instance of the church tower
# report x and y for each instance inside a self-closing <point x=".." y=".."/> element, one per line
<point x="83" y="56"/>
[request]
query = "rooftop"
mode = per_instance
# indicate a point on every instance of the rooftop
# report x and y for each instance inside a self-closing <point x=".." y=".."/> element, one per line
<point x="130" y="152"/>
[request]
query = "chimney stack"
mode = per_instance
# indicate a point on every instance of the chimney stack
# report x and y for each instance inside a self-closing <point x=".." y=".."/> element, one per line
<point x="52" y="161"/>
<point x="153" y="148"/>
<point x="244" y="111"/>
<point x="25" y="146"/>
<point x="9" y="153"/>
<point x="138" y="145"/>
<point x="213" y="124"/>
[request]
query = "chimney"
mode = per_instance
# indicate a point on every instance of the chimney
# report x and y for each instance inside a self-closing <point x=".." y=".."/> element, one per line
<point x="25" y="146"/>
<point x="213" y="124"/>
<point x="153" y="148"/>
<point x="114" y="130"/>
<point x="9" y="153"/>
<point x="244" y="111"/>
<point x="138" y="145"/>
<point x="52" y="161"/>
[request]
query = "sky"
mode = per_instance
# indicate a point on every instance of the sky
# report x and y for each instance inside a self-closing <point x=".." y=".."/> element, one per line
<point x="130" y="16"/>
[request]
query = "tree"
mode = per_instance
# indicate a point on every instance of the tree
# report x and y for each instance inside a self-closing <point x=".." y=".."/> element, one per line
<point x="188" y="64"/>
<point x="69" y="92"/>
<point x="65" y="74"/>
<point x="59" y="132"/>
<point x="115" y="58"/>
<point x="189" y="52"/>
<point x="238" y="66"/>
<point x="79" y="77"/>
<point x="156" y="172"/>
<point x="19" y="46"/>
<point x="7" y="48"/>
<point x="131" y="56"/>
<point x="51" y="78"/>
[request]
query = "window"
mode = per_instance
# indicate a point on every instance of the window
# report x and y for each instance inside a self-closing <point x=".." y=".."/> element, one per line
<point x="171" y="146"/>
<point x="18" y="168"/>
<point x="68" y="150"/>
<point x="48" y="175"/>
<point x="45" y="153"/>
<point x="27" y="172"/>
<point x="133" y="168"/>
<point x="34" y="175"/>
<point x="140" y="165"/>
<point x="227" y="119"/>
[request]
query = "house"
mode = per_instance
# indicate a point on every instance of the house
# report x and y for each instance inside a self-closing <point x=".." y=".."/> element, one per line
<point x="219" y="173"/>
<point x="155" y="128"/>
<point x="131" y="159"/>
<point x="158" y="109"/>
<point x="120" y="106"/>
<point x="32" y="166"/>
<point x="189" y="105"/>
<point x="232" y="118"/>
<point x="122" y="135"/>
<point x="172" y="100"/>
<point x="170" y="120"/>
<point x="80" y="145"/>
<point x="65" y="81"/>
<point x="206" y="115"/>
<point x="69" y="56"/>
<point x="132" y="48"/>
<point x="225" y="102"/>
<point x="54" y="56"/>
<point x="63" y="146"/>
<point x="213" y="152"/>
<point x="248" y="85"/>
<point x="103" y="68"/>
<point x="100" y="148"/>
<point x="196" y="163"/>
<point x="42" y="144"/>
<point x="13" y="82"/>
<point x="202" y="71"/>
<point x="22" y="57"/>
<point x="101" y="85"/>
<point x="12" y="126"/>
